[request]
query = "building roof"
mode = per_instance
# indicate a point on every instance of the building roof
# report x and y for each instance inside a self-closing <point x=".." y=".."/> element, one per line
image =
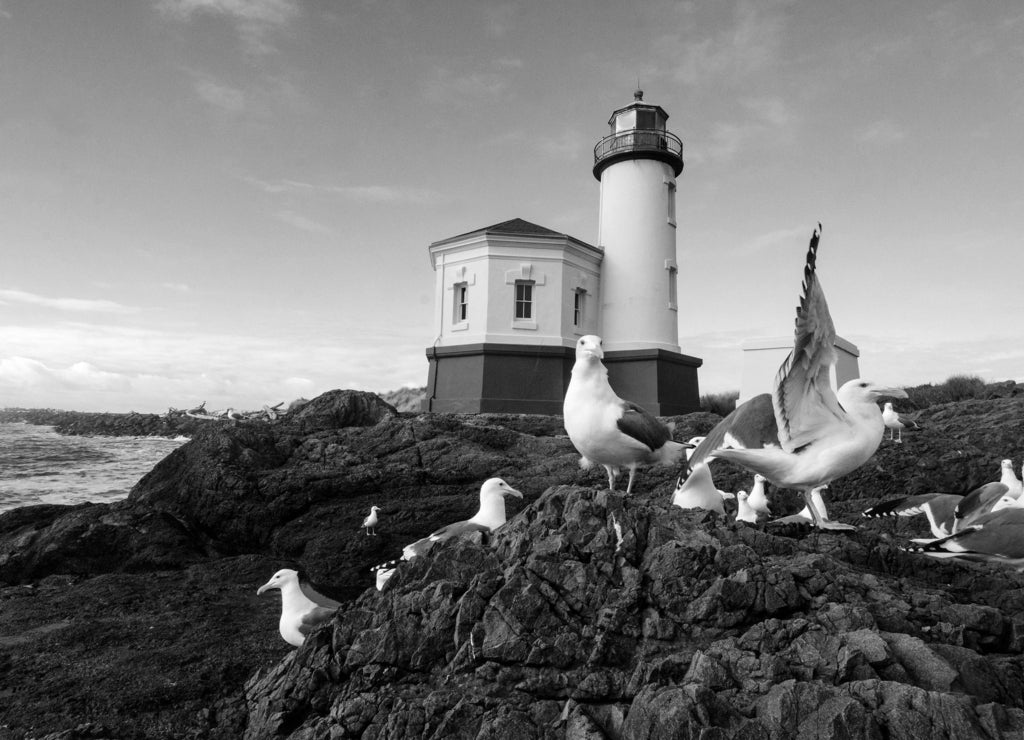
<point x="516" y="226"/>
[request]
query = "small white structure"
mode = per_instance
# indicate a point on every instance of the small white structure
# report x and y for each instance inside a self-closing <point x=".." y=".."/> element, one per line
<point x="763" y="357"/>
<point x="515" y="283"/>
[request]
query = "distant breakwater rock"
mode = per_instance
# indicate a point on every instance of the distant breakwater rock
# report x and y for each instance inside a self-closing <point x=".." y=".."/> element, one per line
<point x="590" y="615"/>
<point x="102" y="424"/>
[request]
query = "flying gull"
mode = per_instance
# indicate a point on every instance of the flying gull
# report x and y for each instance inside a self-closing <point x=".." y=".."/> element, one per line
<point x="302" y="608"/>
<point x="370" y="522"/>
<point x="488" y="518"/>
<point x="895" y="421"/>
<point x="606" y="429"/>
<point x="995" y="537"/>
<point x="803" y="435"/>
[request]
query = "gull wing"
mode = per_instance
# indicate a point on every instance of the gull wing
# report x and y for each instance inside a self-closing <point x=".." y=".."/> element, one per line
<point x="643" y="426"/>
<point x="314" y="618"/>
<point x="806" y="408"/>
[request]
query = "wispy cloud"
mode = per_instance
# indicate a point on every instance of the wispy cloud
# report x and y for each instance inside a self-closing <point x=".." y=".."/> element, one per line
<point x="882" y="132"/>
<point x="304" y="223"/>
<point x="772" y="239"/>
<point x="388" y="194"/>
<point x="254" y="20"/>
<point x="750" y="44"/>
<point x="220" y="96"/>
<point x="447" y="86"/>
<point x="64" y="304"/>
<point x="176" y="287"/>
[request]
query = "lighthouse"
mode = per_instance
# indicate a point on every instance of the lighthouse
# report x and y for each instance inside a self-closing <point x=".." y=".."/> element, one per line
<point x="512" y="299"/>
<point x="637" y="164"/>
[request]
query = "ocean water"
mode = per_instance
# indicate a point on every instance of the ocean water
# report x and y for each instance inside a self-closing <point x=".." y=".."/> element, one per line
<point x="39" y="466"/>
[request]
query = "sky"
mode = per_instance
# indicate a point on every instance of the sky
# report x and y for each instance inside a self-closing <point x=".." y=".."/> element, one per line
<point x="231" y="201"/>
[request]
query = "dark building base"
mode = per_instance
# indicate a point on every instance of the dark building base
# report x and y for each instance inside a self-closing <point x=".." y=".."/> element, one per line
<point x="527" y="379"/>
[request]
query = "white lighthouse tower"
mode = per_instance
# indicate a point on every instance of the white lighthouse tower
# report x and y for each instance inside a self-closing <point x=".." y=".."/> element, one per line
<point x="637" y="165"/>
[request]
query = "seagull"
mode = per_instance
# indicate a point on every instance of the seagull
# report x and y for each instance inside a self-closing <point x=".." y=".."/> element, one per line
<point x="1013" y="484"/>
<point x="488" y="518"/>
<point x="746" y="513"/>
<point x="757" y="500"/>
<point x="995" y="537"/>
<point x="607" y="430"/>
<point x="700" y="493"/>
<point x="694" y="441"/>
<point x="940" y="509"/>
<point x="370" y="522"/>
<point x="894" y="420"/>
<point x="302" y="608"/>
<point x="803" y="435"/>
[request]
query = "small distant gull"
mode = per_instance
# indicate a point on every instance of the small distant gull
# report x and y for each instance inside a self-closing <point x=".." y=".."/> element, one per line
<point x="700" y="493"/>
<point x="370" y="522"/>
<point x="803" y="435"/>
<point x="488" y="518"/>
<point x="606" y="429"/>
<point x="302" y="608"/>
<point x="746" y="513"/>
<point x="895" y="421"/>
<point x="996" y="537"/>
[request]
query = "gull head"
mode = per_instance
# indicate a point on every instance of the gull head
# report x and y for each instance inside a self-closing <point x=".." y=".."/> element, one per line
<point x="864" y="391"/>
<point x="589" y="346"/>
<point x="499" y="487"/>
<point x="280" y="579"/>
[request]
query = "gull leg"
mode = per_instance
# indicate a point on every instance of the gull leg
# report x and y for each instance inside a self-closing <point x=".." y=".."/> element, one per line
<point x="632" y="474"/>
<point x="611" y="477"/>
<point x="820" y="517"/>
<point x="899" y="440"/>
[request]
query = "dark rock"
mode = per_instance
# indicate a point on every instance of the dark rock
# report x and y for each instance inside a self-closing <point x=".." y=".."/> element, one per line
<point x="590" y="614"/>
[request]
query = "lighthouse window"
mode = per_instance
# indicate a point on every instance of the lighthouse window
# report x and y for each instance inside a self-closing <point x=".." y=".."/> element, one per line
<point x="645" y="119"/>
<point x="461" y="302"/>
<point x="577" y="307"/>
<point x="524" y="299"/>
<point x="673" y="298"/>
<point x="671" y="190"/>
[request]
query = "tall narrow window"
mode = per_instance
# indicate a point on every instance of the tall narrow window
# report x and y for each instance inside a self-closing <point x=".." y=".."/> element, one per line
<point x="577" y="307"/>
<point x="673" y="298"/>
<point x="671" y="189"/>
<point x="524" y="299"/>
<point x="461" y="302"/>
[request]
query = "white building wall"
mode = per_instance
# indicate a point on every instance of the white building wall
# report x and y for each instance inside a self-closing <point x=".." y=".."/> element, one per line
<point x="639" y="240"/>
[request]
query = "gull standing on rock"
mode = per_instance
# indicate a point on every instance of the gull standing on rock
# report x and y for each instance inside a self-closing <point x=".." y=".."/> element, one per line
<point x="803" y="435"/>
<point x="606" y="429"/>
<point x="370" y="522"/>
<point x="302" y="608"/>
<point x="894" y="420"/>
<point x="488" y="518"/>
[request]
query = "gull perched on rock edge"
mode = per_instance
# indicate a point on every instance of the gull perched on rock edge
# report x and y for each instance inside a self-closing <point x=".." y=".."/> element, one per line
<point x="302" y="608"/>
<point x="606" y="429"/>
<point x="370" y="522"/>
<point x="488" y="518"/>
<point x="803" y="435"/>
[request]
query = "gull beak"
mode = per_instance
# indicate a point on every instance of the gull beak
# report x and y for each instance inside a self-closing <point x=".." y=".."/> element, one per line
<point x="687" y="445"/>
<point x="512" y="492"/>
<point x="263" y="588"/>
<point x="891" y="392"/>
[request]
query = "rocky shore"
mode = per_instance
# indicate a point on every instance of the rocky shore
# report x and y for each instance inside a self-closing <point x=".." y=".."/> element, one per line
<point x="591" y="614"/>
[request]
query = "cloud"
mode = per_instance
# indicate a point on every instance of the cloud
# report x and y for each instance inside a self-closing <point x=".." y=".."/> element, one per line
<point x="254" y="20"/>
<point x="882" y="132"/>
<point x="568" y="145"/>
<point x="450" y="87"/>
<point x="388" y="194"/>
<point x="305" y="224"/>
<point x="112" y="368"/>
<point x="226" y="98"/>
<point x="64" y="304"/>
<point x="772" y="239"/>
<point x="750" y="44"/>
